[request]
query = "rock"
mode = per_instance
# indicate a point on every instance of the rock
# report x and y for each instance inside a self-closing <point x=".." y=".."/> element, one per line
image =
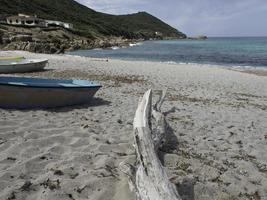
<point x="11" y="158"/>
<point x="5" y="40"/>
<point x="53" y="49"/>
<point x="51" y="184"/>
<point x="58" y="172"/>
<point x="26" y="186"/>
<point x="60" y="51"/>
<point x="200" y="37"/>
<point x="21" y="38"/>
<point x="53" y="41"/>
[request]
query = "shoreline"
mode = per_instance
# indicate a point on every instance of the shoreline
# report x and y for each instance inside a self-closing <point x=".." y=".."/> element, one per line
<point x="218" y="132"/>
<point x="256" y="70"/>
<point x="45" y="40"/>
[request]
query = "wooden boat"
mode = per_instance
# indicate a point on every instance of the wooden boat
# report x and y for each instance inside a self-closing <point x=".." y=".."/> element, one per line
<point x="24" y="93"/>
<point x="26" y="65"/>
<point x="12" y="58"/>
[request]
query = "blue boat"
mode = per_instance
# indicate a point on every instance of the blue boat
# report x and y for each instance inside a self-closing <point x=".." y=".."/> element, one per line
<point x="25" y="93"/>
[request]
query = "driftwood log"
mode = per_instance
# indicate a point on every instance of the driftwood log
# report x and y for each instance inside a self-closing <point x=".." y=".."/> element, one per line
<point x="148" y="179"/>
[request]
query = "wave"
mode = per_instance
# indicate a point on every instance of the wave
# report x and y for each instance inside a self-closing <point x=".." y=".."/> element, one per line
<point x="115" y="48"/>
<point x="135" y="44"/>
<point x="235" y="67"/>
<point x="244" y="68"/>
<point x="97" y="49"/>
<point x="179" y="63"/>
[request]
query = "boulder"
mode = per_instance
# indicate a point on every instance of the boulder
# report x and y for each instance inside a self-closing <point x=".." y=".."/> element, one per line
<point x="21" y="38"/>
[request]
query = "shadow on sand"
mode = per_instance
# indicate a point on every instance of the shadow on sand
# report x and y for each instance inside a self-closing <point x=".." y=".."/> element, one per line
<point x="94" y="102"/>
<point x="186" y="187"/>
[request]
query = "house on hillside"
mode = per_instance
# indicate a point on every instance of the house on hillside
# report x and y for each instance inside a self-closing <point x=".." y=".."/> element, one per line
<point x="158" y="34"/>
<point x="34" y="21"/>
<point x="26" y="20"/>
<point x="59" y="23"/>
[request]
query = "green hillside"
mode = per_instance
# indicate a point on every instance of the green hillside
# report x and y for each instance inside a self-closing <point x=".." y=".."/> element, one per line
<point x="89" y="22"/>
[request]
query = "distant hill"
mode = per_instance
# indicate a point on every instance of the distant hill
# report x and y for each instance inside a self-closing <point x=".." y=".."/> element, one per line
<point x="90" y="23"/>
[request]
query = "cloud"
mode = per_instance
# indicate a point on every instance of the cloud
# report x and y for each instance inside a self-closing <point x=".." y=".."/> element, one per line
<point x="211" y="17"/>
<point x="115" y="6"/>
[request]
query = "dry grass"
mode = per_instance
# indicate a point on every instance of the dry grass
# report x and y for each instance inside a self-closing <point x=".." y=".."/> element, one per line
<point x="86" y="75"/>
<point x="242" y="102"/>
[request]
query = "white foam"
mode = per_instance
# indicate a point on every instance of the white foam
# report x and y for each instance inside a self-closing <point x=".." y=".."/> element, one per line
<point x="135" y="44"/>
<point x="115" y="48"/>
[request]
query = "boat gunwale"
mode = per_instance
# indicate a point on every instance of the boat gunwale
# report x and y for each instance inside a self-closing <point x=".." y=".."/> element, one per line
<point x="51" y="87"/>
<point x="35" y="61"/>
<point x="40" y="82"/>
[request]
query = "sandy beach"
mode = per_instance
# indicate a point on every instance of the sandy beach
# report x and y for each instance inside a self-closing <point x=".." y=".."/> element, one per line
<point x="219" y="133"/>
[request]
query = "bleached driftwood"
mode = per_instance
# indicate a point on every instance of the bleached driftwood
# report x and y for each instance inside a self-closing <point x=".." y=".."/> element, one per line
<point x="149" y="179"/>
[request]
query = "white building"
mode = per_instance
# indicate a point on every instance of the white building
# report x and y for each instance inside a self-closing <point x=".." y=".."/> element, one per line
<point x="26" y="20"/>
<point x="59" y="23"/>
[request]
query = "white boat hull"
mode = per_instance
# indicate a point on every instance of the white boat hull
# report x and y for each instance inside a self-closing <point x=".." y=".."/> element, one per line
<point x="22" y="67"/>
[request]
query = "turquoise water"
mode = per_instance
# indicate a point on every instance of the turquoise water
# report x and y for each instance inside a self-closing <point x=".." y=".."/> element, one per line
<point x="246" y="51"/>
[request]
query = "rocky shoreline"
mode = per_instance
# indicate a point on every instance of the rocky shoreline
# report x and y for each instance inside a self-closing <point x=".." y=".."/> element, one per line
<point x="62" y="46"/>
<point x="53" y="40"/>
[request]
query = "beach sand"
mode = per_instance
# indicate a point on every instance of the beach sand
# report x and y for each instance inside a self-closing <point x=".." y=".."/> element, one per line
<point x="218" y="139"/>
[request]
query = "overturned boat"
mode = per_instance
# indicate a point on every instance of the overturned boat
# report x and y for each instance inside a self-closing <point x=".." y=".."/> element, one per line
<point x="21" y="66"/>
<point x="25" y="93"/>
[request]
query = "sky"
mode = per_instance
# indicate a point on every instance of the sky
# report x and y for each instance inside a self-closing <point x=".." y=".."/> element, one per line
<point x="196" y="17"/>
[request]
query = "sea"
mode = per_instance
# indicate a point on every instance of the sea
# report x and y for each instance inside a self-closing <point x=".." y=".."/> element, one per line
<point x="243" y="52"/>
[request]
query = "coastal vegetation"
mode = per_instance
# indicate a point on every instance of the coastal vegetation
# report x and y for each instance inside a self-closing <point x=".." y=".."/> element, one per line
<point x="89" y="25"/>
